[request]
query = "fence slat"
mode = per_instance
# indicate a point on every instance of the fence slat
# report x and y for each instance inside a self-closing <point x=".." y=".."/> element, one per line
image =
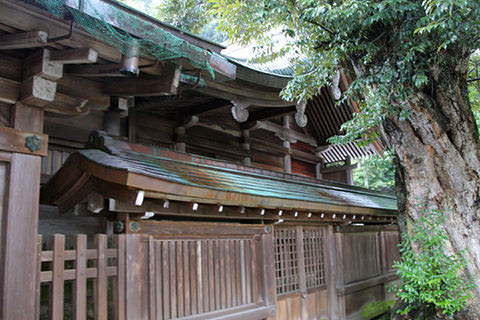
<point x="119" y="283"/>
<point x="100" y="301"/>
<point x="39" y="270"/>
<point x="151" y="278"/>
<point x="166" y="280"/>
<point x="80" y="284"/>
<point x="180" y="282"/>
<point x="199" y="277"/>
<point x="186" y="277"/>
<point x="56" y="296"/>
<point x="158" y="280"/>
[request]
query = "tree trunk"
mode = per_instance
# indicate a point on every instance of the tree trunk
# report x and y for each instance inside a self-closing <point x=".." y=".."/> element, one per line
<point x="438" y="164"/>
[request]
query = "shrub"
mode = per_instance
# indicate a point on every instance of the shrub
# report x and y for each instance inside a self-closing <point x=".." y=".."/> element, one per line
<point x="429" y="278"/>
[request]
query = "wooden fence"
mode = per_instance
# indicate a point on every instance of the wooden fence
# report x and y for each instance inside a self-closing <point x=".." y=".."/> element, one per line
<point x="140" y="277"/>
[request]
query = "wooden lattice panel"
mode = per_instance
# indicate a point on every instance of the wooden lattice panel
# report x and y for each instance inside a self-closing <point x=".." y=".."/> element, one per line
<point x="286" y="263"/>
<point x="314" y="262"/>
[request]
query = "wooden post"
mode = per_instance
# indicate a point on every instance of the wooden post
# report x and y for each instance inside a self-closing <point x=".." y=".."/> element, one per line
<point x="287" y="159"/>
<point x="349" y="170"/>
<point x="18" y="259"/>
<point x="267" y="249"/>
<point x="331" y="263"/>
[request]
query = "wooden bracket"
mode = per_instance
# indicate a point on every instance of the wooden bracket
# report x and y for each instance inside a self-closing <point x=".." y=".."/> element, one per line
<point x="37" y="91"/>
<point x="300" y="116"/>
<point x="74" y="56"/>
<point x="240" y="111"/>
<point x="41" y="65"/>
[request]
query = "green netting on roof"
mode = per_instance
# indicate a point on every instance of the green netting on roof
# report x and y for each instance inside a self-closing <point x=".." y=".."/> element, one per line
<point x="121" y="29"/>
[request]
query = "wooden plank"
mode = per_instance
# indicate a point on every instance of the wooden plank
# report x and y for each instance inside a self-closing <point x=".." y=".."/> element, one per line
<point x="151" y="279"/>
<point x="212" y="255"/>
<point x="173" y="279"/>
<point x="166" y="279"/>
<point x="180" y="279"/>
<point x="200" y="274"/>
<point x="100" y="284"/>
<point x="193" y="272"/>
<point x="39" y="270"/>
<point x="57" y="290"/>
<point x="301" y="269"/>
<point x="268" y="270"/>
<point x="167" y="84"/>
<point x="119" y="299"/>
<point x="80" y="284"/>
<point x="223" y="293"/>
<point x="249" y="269"/>
<point x="9" y="90"/>
<point x="84" y="89"/>
<point x="186" y="277"/>
<point x="14" y="140"/>
<point x="74" y="56"/>
<point x="216" y="275"/>
<point x="243" y="278"/>
<point x="23" y="40"/>
<point x="256" y="277"/>
<point x="158" y="280"/>
<point x="228" y="272"/>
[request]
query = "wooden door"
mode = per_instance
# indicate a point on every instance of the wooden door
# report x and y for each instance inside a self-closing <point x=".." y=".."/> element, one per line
<point x="199" y="271"/>
<point x="301" y="273"/>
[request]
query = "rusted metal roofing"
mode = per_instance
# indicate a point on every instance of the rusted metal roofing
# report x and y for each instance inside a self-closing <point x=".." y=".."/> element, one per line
<point x="230" y="180"/>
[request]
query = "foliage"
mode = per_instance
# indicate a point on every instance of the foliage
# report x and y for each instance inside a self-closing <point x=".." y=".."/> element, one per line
<point x="393" y="48"/>
<point x="429" y="277"/>
<point x="376" y="172"/>
<point x="377" y="308"/>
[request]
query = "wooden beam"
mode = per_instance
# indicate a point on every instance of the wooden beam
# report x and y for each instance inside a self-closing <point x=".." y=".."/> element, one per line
<point x="40" y="64"/>
<point x="283" y="133"/>
<point x="23" y="40"/>
<point x="9" y="90"/>
<point x="74" y="56"/>
<point x="268" y="113"/>
<point x="95" y="70"/>
<point x="166" y="85"/>
<point x="82" y="88"/>
<point x="67" y="105"/>
<point x="37" y="91"/>
<point x="13" y="140"/>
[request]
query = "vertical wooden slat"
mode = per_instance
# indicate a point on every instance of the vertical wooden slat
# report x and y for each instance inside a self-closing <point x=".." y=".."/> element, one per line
<point x="199" y="300"/>
<point x="223" y="294"/>
<point x="119" y="283"/>
<point x="180" y="280"/>
<point x="248" y="268"/>
<point x="302" y="282"/>
<point x="228" y="273"/>
<point x="100" y="301"/>
<point x="236" y="280"/>
<point x="166" y="280"/>
<point x="39" y="269"/>
<point x="151" y="278"/>
<point x="243" y="277"/>
<point x="57" y="290"/>
<point x="255" y="272"/>
<point x="80" y="284"/>
<point x="268" y="270"/>
<point x="218" y="300"/>
<point x="173" y="280"/>
<point x="186" y="276"/>
<point x="207" y="275"/>
<point x="158" y="280"/>
<point x="211" y="277"/>
<point x="192" y="247"/>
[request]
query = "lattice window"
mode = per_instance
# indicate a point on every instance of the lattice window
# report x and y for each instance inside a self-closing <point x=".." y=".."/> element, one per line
<point x="314" y="263"/>
<point x="286" y="264"/>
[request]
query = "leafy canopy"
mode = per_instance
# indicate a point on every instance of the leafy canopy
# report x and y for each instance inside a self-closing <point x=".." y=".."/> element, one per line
<point x="393" y="48"/>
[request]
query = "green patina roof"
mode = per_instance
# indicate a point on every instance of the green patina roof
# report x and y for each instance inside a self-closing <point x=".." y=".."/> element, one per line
<point x="234" y="180"/>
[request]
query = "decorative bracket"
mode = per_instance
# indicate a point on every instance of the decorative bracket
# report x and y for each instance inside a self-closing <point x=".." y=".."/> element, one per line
<point x="335" y="87"/>
<point x="240" y="111"/>
<point x="300" y="116"/>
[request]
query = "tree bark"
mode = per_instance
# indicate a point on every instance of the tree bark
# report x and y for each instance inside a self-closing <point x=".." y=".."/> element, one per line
<point x="438" y="166"/>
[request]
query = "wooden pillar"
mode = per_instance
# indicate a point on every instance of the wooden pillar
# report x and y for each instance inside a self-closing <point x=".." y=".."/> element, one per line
<point x="287" y="159"/>
<point x="21" y="185"/>
<point x="331" y="268"/>
<point x="246" y="146"/>
<point x="349" y="170"/>
<point x="180" y="144"/>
